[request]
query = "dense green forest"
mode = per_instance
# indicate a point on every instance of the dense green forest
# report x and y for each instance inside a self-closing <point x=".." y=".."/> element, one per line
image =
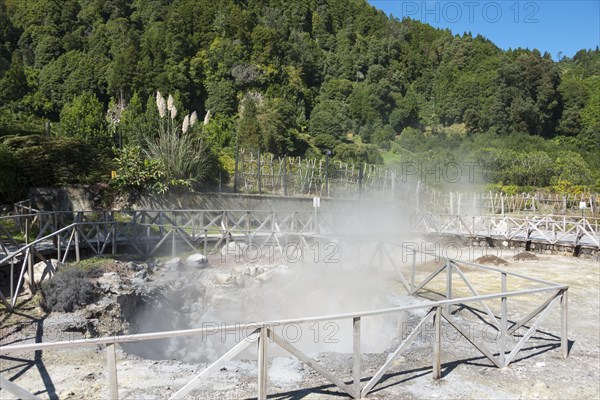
<point x="288" y="77"/>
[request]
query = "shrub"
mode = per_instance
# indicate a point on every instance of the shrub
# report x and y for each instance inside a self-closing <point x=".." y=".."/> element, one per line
<point x="84" y="119"/>
<point x="184" y="157"/>
<point x="137" y="173"/>
<point x="10" y="180"/>
<point x="358" y="153"/>
<point x="325" y="141"/>
<point x="69" y="289"/>
<point x="58" y="161"/>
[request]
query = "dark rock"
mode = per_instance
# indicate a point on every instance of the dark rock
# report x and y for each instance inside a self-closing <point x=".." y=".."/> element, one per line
<point x="133" y="266"/>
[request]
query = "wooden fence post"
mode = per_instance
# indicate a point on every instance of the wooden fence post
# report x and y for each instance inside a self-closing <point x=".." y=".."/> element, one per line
<point x="356" y="368"/>
<point x="111" y="361"/>
<point x="235" y="173"/>
<point x="258" y="173"/>
<point x="564" y="323"/>
<point x="77" y="254"/>
<point x="437" y="323"/>
<point x="503" y="322"/>
<point x="285" y="191"/>
<point x="29" y="258"/>
<point x="448" y="284"/>
<point x="113" y="233"/>
<point x="173" y="241"/>
<point x="413" y="270"/>
<point x="262" y="364"/>
<point x="360" y="178"/>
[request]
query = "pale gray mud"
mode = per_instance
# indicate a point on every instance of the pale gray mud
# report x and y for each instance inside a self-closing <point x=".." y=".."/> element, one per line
<point x="538" y="372"/>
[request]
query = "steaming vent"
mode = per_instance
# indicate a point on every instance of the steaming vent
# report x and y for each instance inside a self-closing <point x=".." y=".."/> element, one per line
<point x="326" y="274"/>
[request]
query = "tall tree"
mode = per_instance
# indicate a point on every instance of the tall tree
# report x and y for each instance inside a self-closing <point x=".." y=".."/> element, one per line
<point x="84" y="118"/>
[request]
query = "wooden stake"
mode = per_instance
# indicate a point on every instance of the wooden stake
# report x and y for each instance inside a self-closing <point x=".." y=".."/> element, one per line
<point x="111" y="360"/>
<point x="356" y="365"/>
<point x="437" y="365"/>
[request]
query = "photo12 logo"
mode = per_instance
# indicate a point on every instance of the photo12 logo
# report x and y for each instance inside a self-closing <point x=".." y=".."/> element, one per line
<point x="292" y="332"/>
<point x="291" y="252"/>
<point x="445" y="172"/>
<point x="518" y="12"/>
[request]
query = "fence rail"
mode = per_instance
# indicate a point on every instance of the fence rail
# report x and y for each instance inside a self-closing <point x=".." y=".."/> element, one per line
<point x="27" y="237"/>
<point x="295" y="176"/>
<point x="551" y="229"/>
<point x="415" y="282"/>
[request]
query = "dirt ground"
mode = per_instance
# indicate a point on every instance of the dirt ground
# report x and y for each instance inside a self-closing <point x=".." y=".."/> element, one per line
<point x="538" y="372"/>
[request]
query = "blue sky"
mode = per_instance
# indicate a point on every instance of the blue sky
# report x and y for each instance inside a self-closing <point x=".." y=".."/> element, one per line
<point x="548" y="25"/>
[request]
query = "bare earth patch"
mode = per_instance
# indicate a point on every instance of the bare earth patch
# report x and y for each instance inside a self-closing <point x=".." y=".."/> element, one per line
<point x="539" y="371"/>
<point x="490" y="260"/>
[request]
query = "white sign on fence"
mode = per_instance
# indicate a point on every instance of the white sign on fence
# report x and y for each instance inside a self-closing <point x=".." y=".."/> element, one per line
<point x="582" y="205"/>
<point x="316" y="202"/>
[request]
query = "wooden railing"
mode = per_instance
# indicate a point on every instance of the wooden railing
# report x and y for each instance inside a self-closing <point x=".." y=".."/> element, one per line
<point x="437" y="310"/>
<point x="552" y="229"/>
<point x="64" y="235"/>
<point x="27" y="237"/>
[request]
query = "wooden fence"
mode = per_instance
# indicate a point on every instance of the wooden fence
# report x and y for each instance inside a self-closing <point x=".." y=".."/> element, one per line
<point x="296" y="176"/>
<point x="483" y="203"/>
<point x="550" y="229"/>
<point x="448" y="307"/>
<point x="27" y="237"/>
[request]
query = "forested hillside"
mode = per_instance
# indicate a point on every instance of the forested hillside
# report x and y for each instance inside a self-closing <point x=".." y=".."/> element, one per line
<point x="290" y="78"/>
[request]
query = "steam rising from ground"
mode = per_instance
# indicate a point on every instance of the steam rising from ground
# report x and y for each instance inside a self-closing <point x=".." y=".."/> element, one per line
<point x="250" y="294"/>
<point x="332" y="277"/>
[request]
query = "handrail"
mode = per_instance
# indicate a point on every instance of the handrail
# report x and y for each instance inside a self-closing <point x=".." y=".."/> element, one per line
<point x="132" y="338"/>
<point x="31" y="244"/>
<point x="263" y="331"/>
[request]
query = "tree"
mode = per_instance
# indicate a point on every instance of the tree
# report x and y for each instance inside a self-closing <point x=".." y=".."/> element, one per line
<point x="406" y="113"/>
<point x="249" y="131"/>
<point x="13" y="86"/>
<point x="329" y="117"/>
<point x="68" y="76"/>
<point x="221" y="97"/>
<point x="7" y="35"/>
<point x="336" y="89"/>
<point x="366" y="105"/>
<point x="278" y="123"/>
<point x="574" y="93"/>
<point x="123" y="55"/>
<point x="134" y="127"/>
<point x="83" y="118"/>
<point x="528" y="97"/>
<point x="382" y="136"/>
<point x="590" y="114"/>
